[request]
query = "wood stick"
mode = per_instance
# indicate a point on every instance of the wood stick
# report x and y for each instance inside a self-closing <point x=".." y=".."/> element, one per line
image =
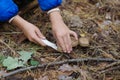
<point x="9" y="33"/>
<point x="58" y="63"/>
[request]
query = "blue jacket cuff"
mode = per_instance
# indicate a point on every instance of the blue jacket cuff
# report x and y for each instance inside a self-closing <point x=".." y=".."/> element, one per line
<point x="46" y="5"/>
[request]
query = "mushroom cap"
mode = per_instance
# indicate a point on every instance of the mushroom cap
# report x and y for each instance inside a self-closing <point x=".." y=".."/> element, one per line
<point x="84" y="42"/>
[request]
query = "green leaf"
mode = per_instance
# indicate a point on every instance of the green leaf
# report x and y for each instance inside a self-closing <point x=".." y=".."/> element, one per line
<point x="12" y="63"/>
<point x="25" y="56"/>
<point x="34" y="63"/>
<point x="2" y="57"/>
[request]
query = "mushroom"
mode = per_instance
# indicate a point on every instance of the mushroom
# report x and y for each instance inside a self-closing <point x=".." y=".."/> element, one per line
<point x="73" y="41"/>
<point x="82" y="41"/>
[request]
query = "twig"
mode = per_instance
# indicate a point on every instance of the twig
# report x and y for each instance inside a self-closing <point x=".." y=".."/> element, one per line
<point x="109" y="69"/>
<point x="8" y="46"/>
<point x="109" y="66"/>
<point x="11" y="32"/>
<point x="58" y="63"/>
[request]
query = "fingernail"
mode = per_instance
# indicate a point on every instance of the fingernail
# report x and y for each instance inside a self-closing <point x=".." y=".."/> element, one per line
<point x="64" y="51"/>
<point x="43" y="38"/>
<point x="69" y="51"/>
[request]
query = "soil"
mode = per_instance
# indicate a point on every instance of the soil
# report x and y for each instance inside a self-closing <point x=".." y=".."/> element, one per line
<point x="98" y="20"/>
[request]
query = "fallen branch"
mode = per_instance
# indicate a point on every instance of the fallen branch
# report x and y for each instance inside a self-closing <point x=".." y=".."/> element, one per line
<point x="109" y="66"/>
<point x="109" y="69"/>
<point x="11" y="33"/>
<point x="58" y="63"/>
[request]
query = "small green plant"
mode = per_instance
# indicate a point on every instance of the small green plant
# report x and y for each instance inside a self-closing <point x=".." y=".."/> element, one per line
<point x="34" y="62"/>
<point x="12" y="63"/>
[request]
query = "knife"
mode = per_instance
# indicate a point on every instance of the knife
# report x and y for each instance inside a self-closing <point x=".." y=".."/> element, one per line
<point x="50" y="44"/>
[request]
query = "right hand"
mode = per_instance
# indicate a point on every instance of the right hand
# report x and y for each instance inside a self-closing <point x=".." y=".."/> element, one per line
<point x="61" y="32"/>
<point x="31" y="31"/>
<point x="33" y="34"/>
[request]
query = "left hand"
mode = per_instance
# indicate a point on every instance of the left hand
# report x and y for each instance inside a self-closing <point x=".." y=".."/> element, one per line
<point x="62" y="34"/>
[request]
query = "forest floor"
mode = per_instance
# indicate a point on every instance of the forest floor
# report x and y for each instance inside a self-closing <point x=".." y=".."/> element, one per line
<point x="99" y="20"/>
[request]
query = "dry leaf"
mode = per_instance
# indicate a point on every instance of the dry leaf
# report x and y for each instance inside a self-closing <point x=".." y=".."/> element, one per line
<point x="65" y="67"/>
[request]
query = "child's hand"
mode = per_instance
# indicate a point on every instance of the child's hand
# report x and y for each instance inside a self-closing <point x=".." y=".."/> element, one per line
<point x="30" y="30"/>
<point x="62" y="35"/>
<point x="33" y="34"/>
<point x="62" y="32"/>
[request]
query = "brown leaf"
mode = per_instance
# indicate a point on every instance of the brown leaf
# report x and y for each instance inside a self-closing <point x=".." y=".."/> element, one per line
<point x="65" y="67"/>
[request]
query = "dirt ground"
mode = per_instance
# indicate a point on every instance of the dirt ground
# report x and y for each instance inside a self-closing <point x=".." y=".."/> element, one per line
<point x="99" y="20"/>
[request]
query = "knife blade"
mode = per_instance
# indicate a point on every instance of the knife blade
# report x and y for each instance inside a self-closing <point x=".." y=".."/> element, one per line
<point x="50" y="44"/>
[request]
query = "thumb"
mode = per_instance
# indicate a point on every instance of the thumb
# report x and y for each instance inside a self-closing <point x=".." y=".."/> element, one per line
<point x="74" y="34"/>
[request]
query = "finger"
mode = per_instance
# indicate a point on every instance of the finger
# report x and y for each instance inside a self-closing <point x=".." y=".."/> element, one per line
<point x="70" y="42"/>
<point x="67" y="42"/>
<point x="38" y="40"/>
<point x="39" y="34"/>
<point x="61" y="43"/>
<point x="57" y="40"/>
<point x="74" y="34"/>
<point x="34" y="41"/>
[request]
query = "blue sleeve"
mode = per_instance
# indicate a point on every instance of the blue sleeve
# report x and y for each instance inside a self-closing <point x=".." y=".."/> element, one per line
<point x="8" y="9"/>
<point x="46" y="5"/>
